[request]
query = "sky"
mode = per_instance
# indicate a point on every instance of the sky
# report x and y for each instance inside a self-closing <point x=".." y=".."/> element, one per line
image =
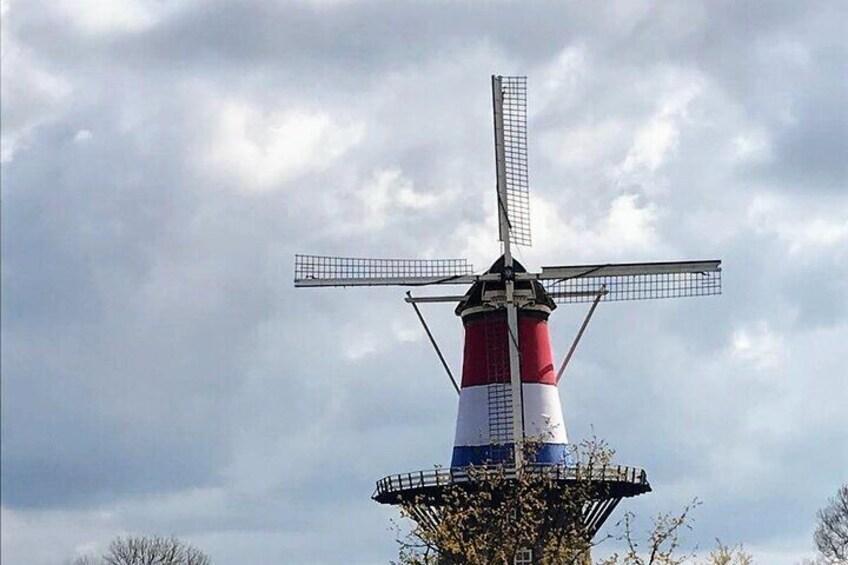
<point x="162" y="162"/>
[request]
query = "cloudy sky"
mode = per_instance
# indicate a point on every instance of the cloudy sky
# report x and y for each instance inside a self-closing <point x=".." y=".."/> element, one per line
<point x="162" y="161"/>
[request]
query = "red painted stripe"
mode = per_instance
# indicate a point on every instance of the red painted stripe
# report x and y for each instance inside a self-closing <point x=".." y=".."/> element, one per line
<point x="486" y="354"/>
<point x="486" y="357"/>
<point x="537" y="365"/>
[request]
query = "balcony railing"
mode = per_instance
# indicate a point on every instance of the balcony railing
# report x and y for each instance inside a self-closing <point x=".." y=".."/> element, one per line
<point x="560" y="473"/>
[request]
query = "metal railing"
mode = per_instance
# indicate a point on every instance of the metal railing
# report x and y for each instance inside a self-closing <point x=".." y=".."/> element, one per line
<point x="443" y="477"/>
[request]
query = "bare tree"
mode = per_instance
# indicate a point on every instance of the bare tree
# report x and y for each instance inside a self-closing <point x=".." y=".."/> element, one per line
<point x="147" y="550"/>
<point x="662" y="546"/>
<point x="85" y="560"/>
<point x="662" y="543"/>
<point x="832" y="532"/>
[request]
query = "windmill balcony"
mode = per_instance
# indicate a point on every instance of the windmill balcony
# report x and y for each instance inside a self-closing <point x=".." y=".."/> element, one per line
<point x="616" y="481"/>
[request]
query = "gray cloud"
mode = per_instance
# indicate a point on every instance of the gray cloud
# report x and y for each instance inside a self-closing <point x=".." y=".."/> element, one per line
<point x="160" y="373"/>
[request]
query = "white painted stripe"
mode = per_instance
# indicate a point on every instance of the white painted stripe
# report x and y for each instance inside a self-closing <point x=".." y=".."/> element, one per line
<point x="472" y="421"/>
<point x="542" y="415"/>
<point x="543" y="419"/>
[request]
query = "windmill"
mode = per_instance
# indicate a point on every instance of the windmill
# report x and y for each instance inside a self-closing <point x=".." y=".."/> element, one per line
<point x="508" y="397"/>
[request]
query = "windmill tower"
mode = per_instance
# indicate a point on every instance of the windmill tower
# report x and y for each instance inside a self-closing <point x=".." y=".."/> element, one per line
<point x="509" y="407"/>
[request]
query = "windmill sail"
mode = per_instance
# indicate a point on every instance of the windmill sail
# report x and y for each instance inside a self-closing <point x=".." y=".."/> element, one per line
<point x="509" y="95"/>
<point x="319" y="270"/>
<point x="632" y="281"/>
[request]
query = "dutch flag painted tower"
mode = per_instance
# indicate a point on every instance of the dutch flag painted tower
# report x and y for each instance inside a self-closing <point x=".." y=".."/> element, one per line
<point x="509" y="413"/>
<point x="484" y="423"/>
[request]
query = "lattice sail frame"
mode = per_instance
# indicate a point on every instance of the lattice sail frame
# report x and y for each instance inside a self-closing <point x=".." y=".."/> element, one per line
<point x="321" y="270"/>
<point x="517" y="185"/>
<point x="634" y="281"/>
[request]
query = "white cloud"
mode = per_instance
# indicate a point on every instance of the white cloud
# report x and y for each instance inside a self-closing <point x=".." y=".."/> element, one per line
<point x="630" y="225"/>
<point x="627" y="228"/>
<point x="53" y="536"/>
<point x="360" y="344"/>
<point x="800" y="229"/>
<point x="261" y="150"/>
<point x="407" y="332"/>
<point x="32" y="95"/>
<point x="652" y="144"/>
<point x="751" y="146"/>
<point x="655" y="139"/>
<point x="479" y="242"/>
<point x="588" y="145"/>
<point x="559" y="79"/>
<point x="82" y="136"/>
<point x="758" y="344"/>
<point x="112" y="17"/>
<point x="387" y="193"/>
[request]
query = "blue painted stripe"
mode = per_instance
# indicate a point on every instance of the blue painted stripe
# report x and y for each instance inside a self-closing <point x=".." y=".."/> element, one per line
<point x="548" y="453"/>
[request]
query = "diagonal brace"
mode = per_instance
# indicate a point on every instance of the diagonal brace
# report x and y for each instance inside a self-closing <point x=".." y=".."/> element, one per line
<point x="432" y="341"/>
<point x="600" y="295"/>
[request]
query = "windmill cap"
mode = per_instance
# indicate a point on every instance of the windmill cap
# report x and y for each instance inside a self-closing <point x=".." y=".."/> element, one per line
<point x="474" y="297"/>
